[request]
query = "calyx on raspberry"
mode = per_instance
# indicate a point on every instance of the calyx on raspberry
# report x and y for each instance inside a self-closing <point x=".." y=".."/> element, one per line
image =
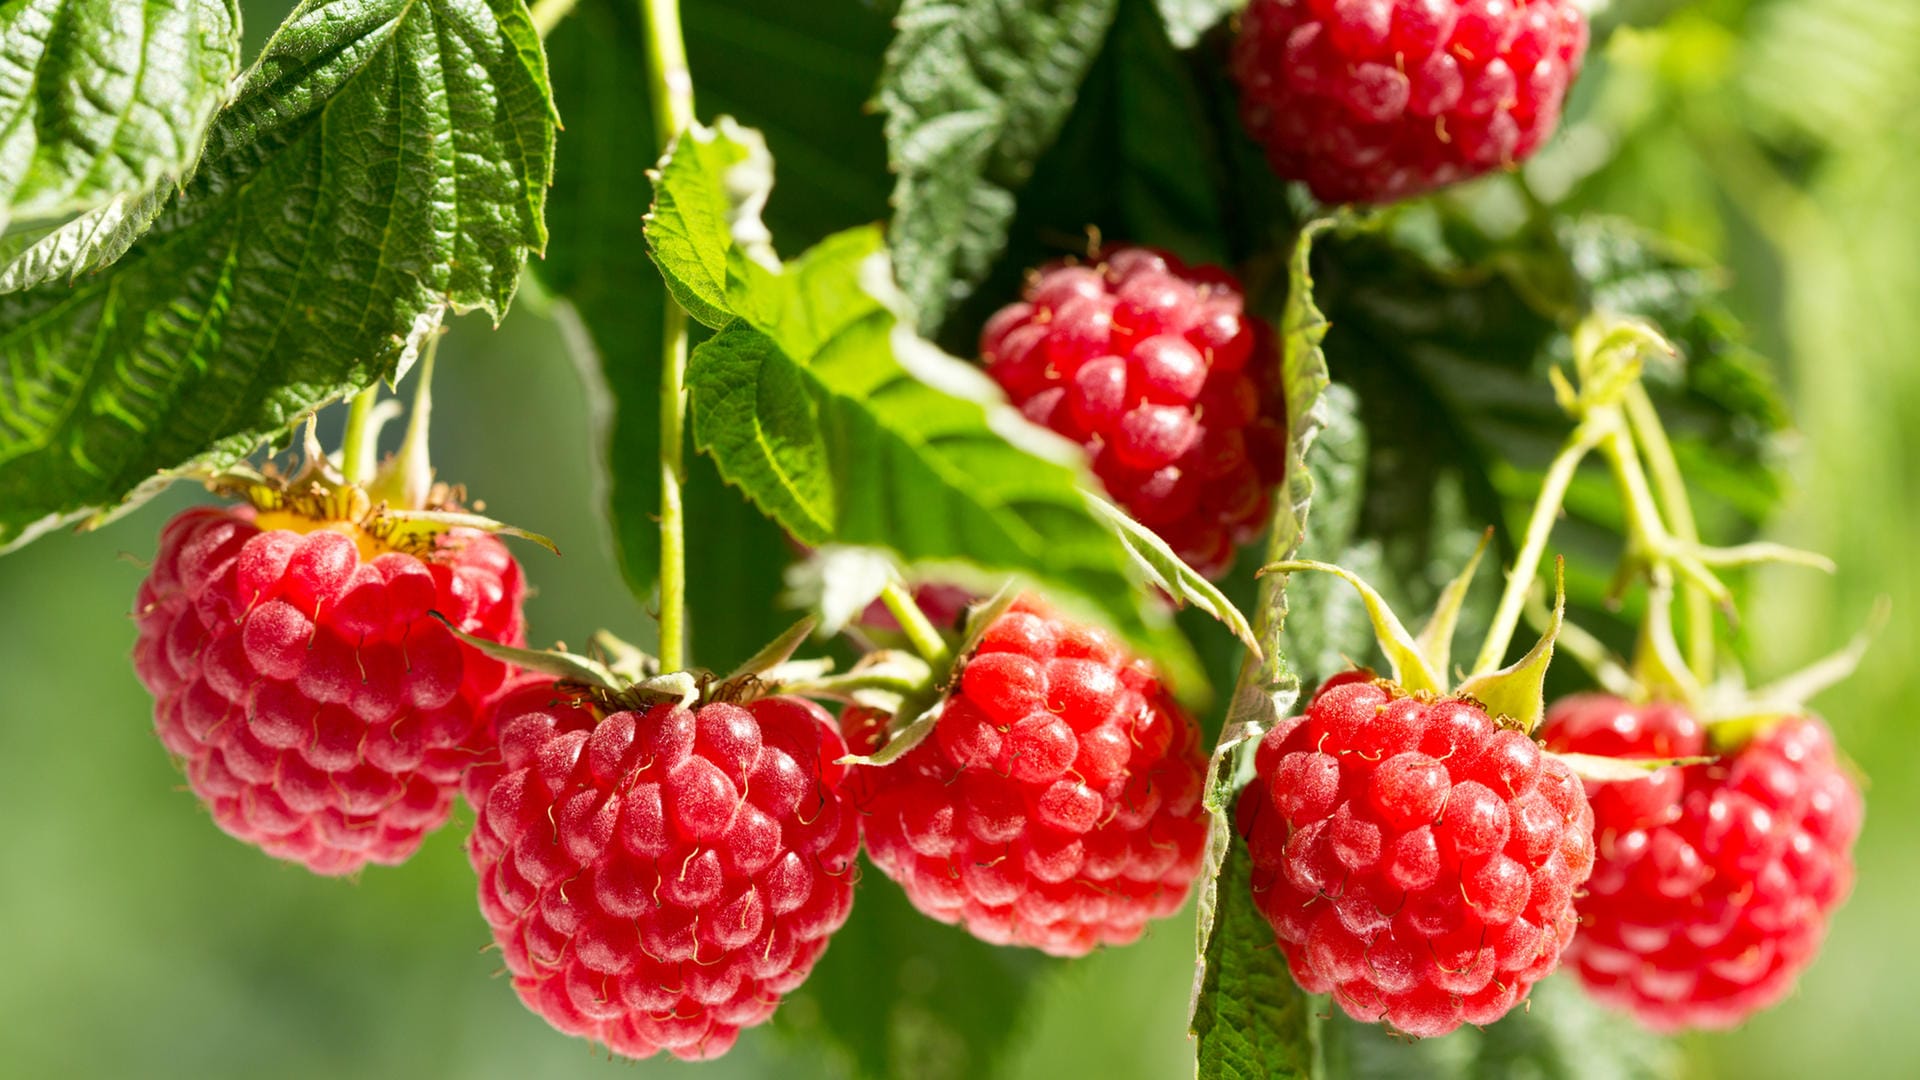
<point x="1378" y="100"/>
<point x="302" y="672"/>
<point x="658" y="876"/>
<point x="1714" y="882"/>
<point x="1158" y="370"/>
<point x="1053" y="800"/>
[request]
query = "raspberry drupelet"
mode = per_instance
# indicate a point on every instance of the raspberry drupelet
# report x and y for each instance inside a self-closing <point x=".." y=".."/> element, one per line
<point x="317" y="708"/>
<point x="656" y="879"/>
<point x="1417" y="860"/>
<point x="1156" y="368"/>
<point x="1056" y="804"/>
<point x="1713" y="883"/>
<point x="1378" y="100"/>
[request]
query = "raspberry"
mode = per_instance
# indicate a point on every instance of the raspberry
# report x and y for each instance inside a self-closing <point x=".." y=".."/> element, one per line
<point x="1377" y="100"/>
<point x="1713" y="883"/>
<point x="1056" y="803"/>
<point x="1417" y="860"/>
<point x="316" y="707"/>
<point x="658" y="879"/>
<point x="1151" y="365"/>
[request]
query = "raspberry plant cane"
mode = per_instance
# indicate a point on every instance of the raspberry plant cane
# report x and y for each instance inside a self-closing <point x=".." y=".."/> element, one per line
<point x="1715" y="877"/>
<point x="295" y="649"/>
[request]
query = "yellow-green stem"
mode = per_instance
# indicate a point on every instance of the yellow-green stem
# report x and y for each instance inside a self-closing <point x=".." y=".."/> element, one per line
<point x="1671" y="487"/>
<point x="670" y="85"/>
<point x="920" y="631"/>
<point x="1526" y="566"/>
<point x="355" y="455"/>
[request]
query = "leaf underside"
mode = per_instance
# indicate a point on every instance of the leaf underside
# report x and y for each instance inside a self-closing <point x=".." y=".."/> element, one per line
<point x="383" y="161"/>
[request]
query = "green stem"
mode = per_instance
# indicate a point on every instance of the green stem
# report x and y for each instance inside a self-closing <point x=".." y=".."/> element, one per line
<point x="1526" y="566"/>
<point x="1671" y="487"/>
<point x="356" y="457"/>
<point x="670" y="89"/>
<point x="548" y="13"/>
<point x="921" y="632"/>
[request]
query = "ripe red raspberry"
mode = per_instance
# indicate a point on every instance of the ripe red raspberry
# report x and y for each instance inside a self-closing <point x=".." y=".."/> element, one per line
<point x="1713" y="883"/>
<point x="1377" y="100"/>
<point x="1154" y="367"/>
<point x="1417" y="860"/>
<point x="657" y="880"/>
<point x="316" y="707"/>
<point x="1056" y="803"/>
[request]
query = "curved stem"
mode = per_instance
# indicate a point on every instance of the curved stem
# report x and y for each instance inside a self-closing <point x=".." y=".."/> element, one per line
<point x="1546" y="509"/>
<point x="1670" y="485"/>
<point x="670" y="86"/>
<point x="920" y="631"/>
<point x="357" y="458"/>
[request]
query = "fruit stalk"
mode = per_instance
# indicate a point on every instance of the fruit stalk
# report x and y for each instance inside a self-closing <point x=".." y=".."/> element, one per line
<point x="671" y="91"/>
<point x="921" y="632"/>
<point x="356" y="456"/>
<point x="1546" y="508"/>
<point x="1671" y="488"/>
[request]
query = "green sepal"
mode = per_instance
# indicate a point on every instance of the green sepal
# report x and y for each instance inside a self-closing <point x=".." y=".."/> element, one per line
<point x="1517" y="695"/>
<point x="1411" y="668"/>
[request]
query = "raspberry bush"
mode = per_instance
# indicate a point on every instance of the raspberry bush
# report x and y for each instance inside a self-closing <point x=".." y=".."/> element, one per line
<point x="1011" y="547"/>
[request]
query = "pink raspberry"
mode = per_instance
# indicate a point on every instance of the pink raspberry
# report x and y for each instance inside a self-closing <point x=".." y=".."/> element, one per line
<point x="1377" y="100"/>
<point x="1714" y="883"/>
<point x="1057" y="802"/>
<point x="316" y="707"/>
<point x="1156" y="368"/>
<point x="1417" y="860"/>
<point x="658" y="879"/>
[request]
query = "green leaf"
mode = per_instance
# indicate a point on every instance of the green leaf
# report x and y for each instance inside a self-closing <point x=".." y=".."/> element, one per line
<point x="1561" y="1035"/>
<point x="906" y="996"/>
<point x="1250" y="1020"/>
<point x="103" y="104"/>
<point x="384" y="160"/>
<point x="973" y="94"/>
<point x="1267" y="688"/>
<point x="706" y="212"/>
<point x="844" y="427"/>
<point x="1188" y="19"/>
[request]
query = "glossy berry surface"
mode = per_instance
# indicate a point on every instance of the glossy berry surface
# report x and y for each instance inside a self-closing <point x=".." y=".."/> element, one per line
<point x="657" y="880"/>
<point x="1056" y="804"/>
<point x="1713" y="883"/>
<point x="317" y="708"/>
<point x="1377" y="100"/>
<point x="1417" y="861"/>
<point x="1155" y="368"/>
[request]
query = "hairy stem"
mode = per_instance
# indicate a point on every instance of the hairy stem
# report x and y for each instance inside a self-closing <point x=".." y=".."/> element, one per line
<point x="920" y="631"/>
<point x="1546" y="509"/>
<point x="670" y="87"/>
<point x="1670" y="485"/>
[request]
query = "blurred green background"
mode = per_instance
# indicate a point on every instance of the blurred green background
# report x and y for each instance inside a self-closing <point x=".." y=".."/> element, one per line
<point x="1781" y="137"/>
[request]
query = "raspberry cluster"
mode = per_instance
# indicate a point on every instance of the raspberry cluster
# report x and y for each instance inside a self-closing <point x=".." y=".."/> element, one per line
<point x="658" y="879"/>
<point x="1713" y="884"/>
<point x="316" y="707"/>
<point x="1155" y="368"/>
<point x="1377" y="100"/>
<point x="1056" y="804"/>
<point x="1417" y="860"/>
